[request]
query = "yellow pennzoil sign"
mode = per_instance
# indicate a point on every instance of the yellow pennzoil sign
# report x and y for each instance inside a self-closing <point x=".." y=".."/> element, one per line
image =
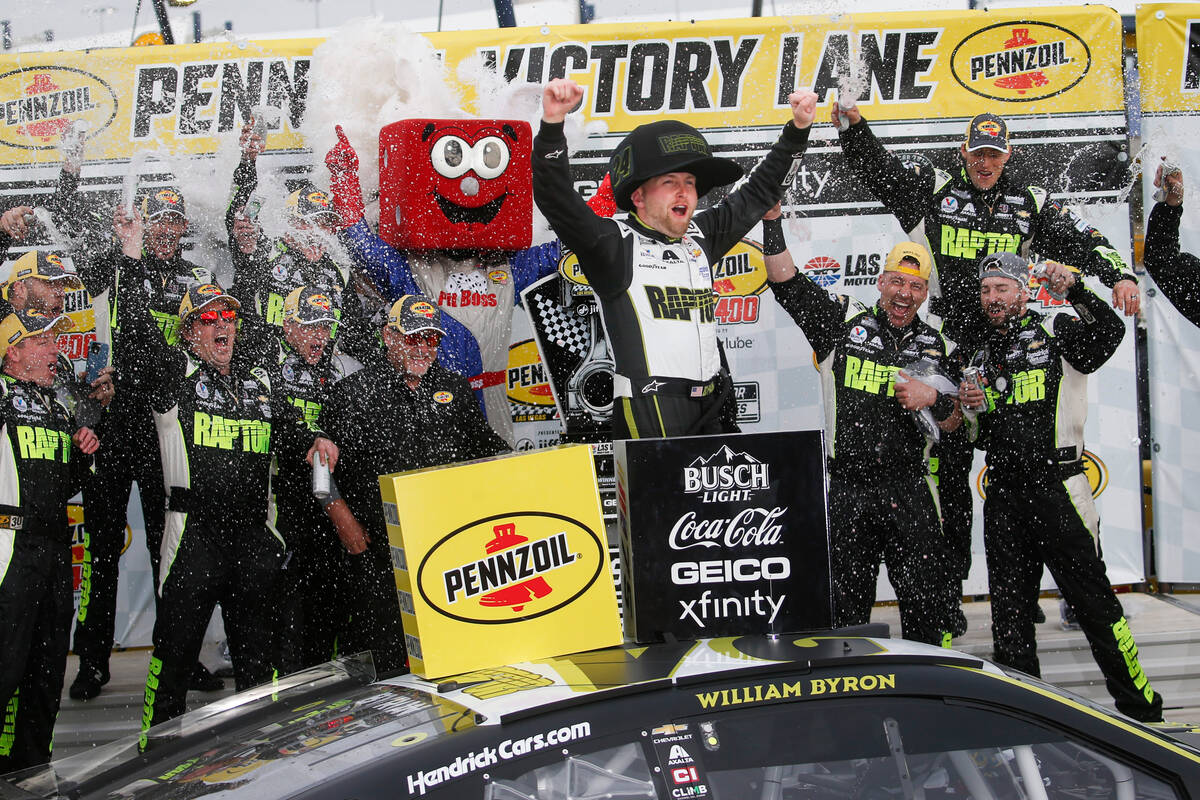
<point x="508" y="573"/>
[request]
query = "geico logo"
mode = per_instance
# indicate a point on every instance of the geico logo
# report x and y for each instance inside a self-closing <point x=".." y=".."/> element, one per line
<point x="684" y="573"/>
<point x="726" y="476"/>
<point x="516" y="564"/>
<point x="748" y="527"/>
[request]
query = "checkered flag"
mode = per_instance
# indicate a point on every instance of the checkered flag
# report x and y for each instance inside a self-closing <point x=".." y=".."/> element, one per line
<point x="570" y="333"/>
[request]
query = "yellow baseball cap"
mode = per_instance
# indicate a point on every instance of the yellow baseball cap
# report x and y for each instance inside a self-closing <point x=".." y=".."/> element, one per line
<point x="909" y="251"/>
<point x="42" y="265"/>
<point x="21" y="325"/>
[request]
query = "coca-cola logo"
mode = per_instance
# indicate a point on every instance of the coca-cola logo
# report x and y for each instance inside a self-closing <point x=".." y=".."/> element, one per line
<point x="749" y="527"/>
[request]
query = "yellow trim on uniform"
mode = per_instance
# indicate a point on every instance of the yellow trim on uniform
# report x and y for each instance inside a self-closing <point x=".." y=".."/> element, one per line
<point x="630" y="422"/>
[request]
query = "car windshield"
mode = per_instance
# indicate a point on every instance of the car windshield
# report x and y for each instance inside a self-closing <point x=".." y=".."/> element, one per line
<point x="885" y="749"/>
<point x="303" y="729"/>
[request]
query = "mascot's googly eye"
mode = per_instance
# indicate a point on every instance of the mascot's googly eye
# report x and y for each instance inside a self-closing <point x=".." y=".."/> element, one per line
<point x="451" y="157"/>
<point x="491" y="157"/>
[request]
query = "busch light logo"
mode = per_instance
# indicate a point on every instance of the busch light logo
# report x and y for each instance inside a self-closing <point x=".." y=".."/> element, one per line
<point x="725" y="476"/>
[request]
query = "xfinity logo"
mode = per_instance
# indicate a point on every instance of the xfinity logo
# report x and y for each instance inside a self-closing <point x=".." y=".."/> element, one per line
<point x="726" y="476"/>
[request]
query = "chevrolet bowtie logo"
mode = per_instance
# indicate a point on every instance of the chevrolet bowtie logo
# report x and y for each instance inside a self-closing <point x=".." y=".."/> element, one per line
<point x="652" y="387"/>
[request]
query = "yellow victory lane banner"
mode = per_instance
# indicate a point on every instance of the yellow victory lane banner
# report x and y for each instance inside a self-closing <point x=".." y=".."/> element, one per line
<point x="1168" y="45"/>
<point x="509" y="572"/>
<point x="738" y="73"/>
<point x="727" y="73"/>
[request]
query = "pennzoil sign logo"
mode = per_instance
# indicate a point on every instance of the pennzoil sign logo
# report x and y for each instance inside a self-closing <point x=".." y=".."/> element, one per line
<point x="739" y="277"/>
<point x="1020" y="61"/>
<point x="38" y="104"/>
<point x="510" y="567"/>
<point x="1095" y="470"/>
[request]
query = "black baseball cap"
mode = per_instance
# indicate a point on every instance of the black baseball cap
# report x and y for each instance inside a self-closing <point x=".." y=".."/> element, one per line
<point x="657" y="148"/>
<point x="1004" y="265"/>
<point x="987" y="130"/>
<point x="167" y="200"/>
<point x="40" y="265"/>
<point x="413" y="313"/>
<point x="203" y="295"/>
<point x="309" y="305"/>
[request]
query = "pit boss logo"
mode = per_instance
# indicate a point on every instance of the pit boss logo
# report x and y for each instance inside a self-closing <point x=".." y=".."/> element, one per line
<point x="726" y="476"/>
<point x="1095" y="470"/>
<point x="738" y="279"/>
<point x="1020" y="61"/>
<point x="40" y="103"/>
<point x="510" y="567"/>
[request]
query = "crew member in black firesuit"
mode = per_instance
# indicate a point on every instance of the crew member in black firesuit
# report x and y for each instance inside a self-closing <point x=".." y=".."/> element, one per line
<point x="267" y="272"/>
<point x="316" y="581"/>
<point x="962" y="215"/>
<point x="1177" y="273"/>
<point x="652" y="271"/>
<point x="129" y="451"/>
<point x="1039" y="508"/>
<point x="219" y="418"/>
<point x="882" y="503"/>
<point x="44" y="460"/>
<point x="406" y="413"/>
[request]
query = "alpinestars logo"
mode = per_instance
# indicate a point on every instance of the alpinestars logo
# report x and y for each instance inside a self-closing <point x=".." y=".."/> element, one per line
<point x="512" y="573"/>
<point x="726" y="476"/>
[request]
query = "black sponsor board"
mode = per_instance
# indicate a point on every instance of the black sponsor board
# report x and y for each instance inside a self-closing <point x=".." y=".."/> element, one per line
<point x="723" y="535"/>
<point x="678" y="752"/>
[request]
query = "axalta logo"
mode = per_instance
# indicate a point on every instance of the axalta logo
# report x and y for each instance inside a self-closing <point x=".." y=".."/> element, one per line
<point x="726" y="476"/>
<point x="525" y="380"/>
<point x="738" y="279"/>
<point x="40" y="103"/>
<point x="510" y="567"/>
<point x="823" y="270"/>
<point x="1020" y="61"/>
<point x="1095" y="470"/>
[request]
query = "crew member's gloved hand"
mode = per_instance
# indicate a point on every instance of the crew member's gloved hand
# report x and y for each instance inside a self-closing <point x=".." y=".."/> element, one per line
<point x="342" y="162"/>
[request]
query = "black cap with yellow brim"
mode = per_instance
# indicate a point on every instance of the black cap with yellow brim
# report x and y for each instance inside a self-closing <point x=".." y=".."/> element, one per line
<point x="43" y="266"/>
<point x="21" y="325"/>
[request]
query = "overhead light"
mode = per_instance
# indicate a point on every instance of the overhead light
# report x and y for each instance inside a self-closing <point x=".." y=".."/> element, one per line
<point x="180" y="2"/>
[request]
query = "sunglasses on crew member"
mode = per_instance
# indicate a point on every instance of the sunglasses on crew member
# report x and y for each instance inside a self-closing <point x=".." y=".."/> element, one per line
<point x="431" y="338"/>
<point x="210" y="317"/>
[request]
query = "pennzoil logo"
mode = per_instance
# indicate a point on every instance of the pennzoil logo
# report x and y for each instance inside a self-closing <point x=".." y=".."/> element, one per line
<point x="442" y="397"/>
<point x="167" y="196"/>
<point x="423" y="309"/>
<point x="568" y="267"/>
<point x="738" y="279"/>
<point x="319" y="198"/>
<point x="526" y="381"/>
<point x="1095" y="470"/>
<point x="320" y="301"/>
<point x="38" y="104"/>
<point x="1020" y="61"/>
<point x="510" y="567"/>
